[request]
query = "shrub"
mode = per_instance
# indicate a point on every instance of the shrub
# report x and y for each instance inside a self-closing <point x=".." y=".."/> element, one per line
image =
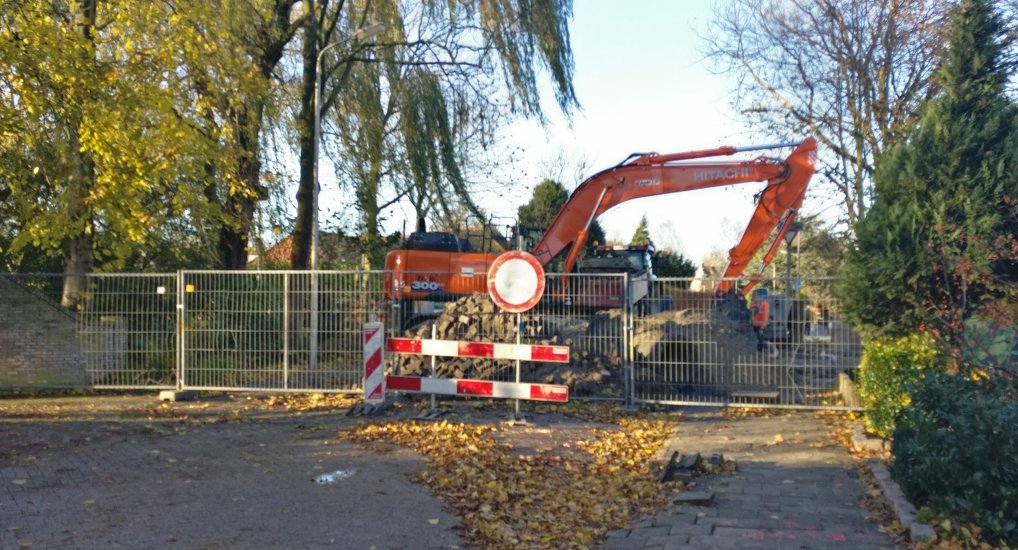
<point x="887" y="368"/>
<point x="956" y="451"/>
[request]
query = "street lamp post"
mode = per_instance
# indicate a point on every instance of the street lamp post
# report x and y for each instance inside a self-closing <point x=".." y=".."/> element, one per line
<point x="360" y="34"/>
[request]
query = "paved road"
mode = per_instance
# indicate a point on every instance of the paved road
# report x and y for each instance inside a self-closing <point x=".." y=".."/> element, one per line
<point x="793" y="491"/>
<point x="107" y="480"/>
<point x="142" y="484"/>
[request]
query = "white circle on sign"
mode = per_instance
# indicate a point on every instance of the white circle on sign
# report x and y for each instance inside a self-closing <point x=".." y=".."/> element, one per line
<point x="516" y="281"/>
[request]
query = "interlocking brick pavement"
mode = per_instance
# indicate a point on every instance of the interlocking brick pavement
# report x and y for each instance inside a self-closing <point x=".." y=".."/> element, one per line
<point x="793" y="488"/>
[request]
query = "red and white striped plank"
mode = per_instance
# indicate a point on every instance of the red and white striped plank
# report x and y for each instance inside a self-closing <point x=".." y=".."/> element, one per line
<point x="453" y="348"/>
<point x="478" y="388"/>
<point x="374" y="359"/>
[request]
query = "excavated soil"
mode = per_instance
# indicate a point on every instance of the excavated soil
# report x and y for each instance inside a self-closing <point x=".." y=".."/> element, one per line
<point x="709" y="342"/>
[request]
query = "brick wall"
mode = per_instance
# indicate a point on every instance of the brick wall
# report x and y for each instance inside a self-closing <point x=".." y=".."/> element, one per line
<point x="38" y="341"/>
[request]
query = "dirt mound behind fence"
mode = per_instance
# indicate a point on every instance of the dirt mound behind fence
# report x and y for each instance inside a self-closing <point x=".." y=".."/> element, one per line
<point x="706" y="342"/>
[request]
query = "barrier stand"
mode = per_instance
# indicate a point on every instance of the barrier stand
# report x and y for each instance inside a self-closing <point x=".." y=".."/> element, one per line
<point x="515" y="283"/>
<point x="374" y="371"/>
<point x="433" y="411"/>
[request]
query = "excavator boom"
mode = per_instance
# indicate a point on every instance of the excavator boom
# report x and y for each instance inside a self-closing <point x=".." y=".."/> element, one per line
<point x="434" y="267"/>
<point x="652" y="174"/>
<point x="778" y="200"/>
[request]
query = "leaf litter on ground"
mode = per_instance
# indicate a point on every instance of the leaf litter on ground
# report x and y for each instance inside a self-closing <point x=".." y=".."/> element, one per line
<point x="567" y="496"/>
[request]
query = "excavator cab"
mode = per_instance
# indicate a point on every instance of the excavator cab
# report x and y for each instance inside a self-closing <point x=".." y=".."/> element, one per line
<point x="437" y="241"/>
<point x="632" y="259"/>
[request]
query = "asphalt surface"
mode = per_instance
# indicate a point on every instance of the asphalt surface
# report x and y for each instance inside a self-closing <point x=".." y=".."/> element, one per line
<point x="126" y="472"/>
<point x="279" y="481"/>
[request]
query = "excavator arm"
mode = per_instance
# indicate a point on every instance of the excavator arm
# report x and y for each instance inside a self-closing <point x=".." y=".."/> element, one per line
<point x="780" y="200"/>
<point x="649" y="175"/>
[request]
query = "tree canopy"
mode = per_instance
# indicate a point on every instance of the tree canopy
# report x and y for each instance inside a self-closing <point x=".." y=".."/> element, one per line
<point x="939" y="245"/>
<point x="642" y="233"/>
<point x="416" y="115"/>
<point x="107" y="136"/>
<point x="149" y="135"/>
<point x="537" y="214"/>
<point x="853" y="74"/>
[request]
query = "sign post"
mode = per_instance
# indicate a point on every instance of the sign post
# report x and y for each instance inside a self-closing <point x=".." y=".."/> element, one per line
<point x="516" y="284"/>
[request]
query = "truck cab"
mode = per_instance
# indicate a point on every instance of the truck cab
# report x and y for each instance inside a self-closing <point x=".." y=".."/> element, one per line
<point x="636" y="260"/>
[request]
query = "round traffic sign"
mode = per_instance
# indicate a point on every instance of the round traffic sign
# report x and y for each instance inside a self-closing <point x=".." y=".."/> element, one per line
<point x="516" y="281"/>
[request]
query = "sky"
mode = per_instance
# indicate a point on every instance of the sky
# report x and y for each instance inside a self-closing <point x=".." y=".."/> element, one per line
<point x="643" y="85"/>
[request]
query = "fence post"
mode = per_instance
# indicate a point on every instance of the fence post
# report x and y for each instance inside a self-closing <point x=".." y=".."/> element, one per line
<point x="180" y="330"/>
<point x="286" y="331"/>
<point x="313" y="344"/>
<point x="627" y="342"/>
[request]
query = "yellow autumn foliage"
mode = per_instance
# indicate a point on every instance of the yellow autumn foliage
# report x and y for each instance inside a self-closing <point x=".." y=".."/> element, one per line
<point x="566" y="497"/>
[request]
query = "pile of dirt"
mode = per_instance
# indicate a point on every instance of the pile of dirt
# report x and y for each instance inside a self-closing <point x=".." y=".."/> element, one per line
<point x="709" y="333"/>
<point x="705" y="342"/>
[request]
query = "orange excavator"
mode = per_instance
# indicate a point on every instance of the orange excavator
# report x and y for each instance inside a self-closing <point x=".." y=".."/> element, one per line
<point x="436" y="267"/>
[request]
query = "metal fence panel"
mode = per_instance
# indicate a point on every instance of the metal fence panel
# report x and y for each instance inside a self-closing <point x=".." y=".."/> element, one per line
<point x="128" y="330"/>
<point x="589" y="313"/>
<point x="630" y="340"/>
<point x="703" y="350"/>
<point x="276" y="330"/>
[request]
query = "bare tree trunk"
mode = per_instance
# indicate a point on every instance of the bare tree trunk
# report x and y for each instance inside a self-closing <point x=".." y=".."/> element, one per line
<point x="367" y="197"/>
<point x="77" y="247"/>
<point x="239" y="206"/>
<point x="302" y="229"/>
<point x="238" y="209"/>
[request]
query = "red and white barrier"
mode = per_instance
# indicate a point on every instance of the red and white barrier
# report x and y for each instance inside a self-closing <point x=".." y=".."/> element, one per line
<point x="478" y="388"/>
<point x="375" y="384"/>
<point x="374" y="364"/>
<point x="452" y="348"/>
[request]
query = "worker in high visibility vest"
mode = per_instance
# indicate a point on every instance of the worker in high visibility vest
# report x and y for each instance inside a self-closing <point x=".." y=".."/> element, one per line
<point x="761" y="315"/>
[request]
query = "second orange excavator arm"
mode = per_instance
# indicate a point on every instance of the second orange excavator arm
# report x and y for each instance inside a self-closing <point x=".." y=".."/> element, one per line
<point x="652" y="174"/>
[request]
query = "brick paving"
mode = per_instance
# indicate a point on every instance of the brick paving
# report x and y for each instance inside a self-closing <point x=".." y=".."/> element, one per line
<point x="800" y="490"/>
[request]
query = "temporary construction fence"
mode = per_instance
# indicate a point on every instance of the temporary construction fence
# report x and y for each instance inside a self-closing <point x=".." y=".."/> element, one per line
<point x="702" y="349"/>
<point x="275" y="330"/>
<point x="303" y="331"/>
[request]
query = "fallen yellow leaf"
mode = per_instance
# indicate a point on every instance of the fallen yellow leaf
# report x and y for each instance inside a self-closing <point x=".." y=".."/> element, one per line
<point x="433" y="521"/>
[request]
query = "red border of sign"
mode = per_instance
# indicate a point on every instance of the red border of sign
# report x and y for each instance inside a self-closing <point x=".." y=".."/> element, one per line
<point x="538" y="293"/>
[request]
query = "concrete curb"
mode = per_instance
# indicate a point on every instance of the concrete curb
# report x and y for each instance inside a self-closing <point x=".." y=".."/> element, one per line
<point x="175" y="395"/>
<point x="848" y="391"/>
<point x="906" y="513"/>
<point x="863" y="441"/>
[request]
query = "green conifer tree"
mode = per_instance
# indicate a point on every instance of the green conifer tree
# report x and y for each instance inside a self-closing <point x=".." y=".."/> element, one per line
<point x="642" y="233"/>
<point x="939" y="244"/>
